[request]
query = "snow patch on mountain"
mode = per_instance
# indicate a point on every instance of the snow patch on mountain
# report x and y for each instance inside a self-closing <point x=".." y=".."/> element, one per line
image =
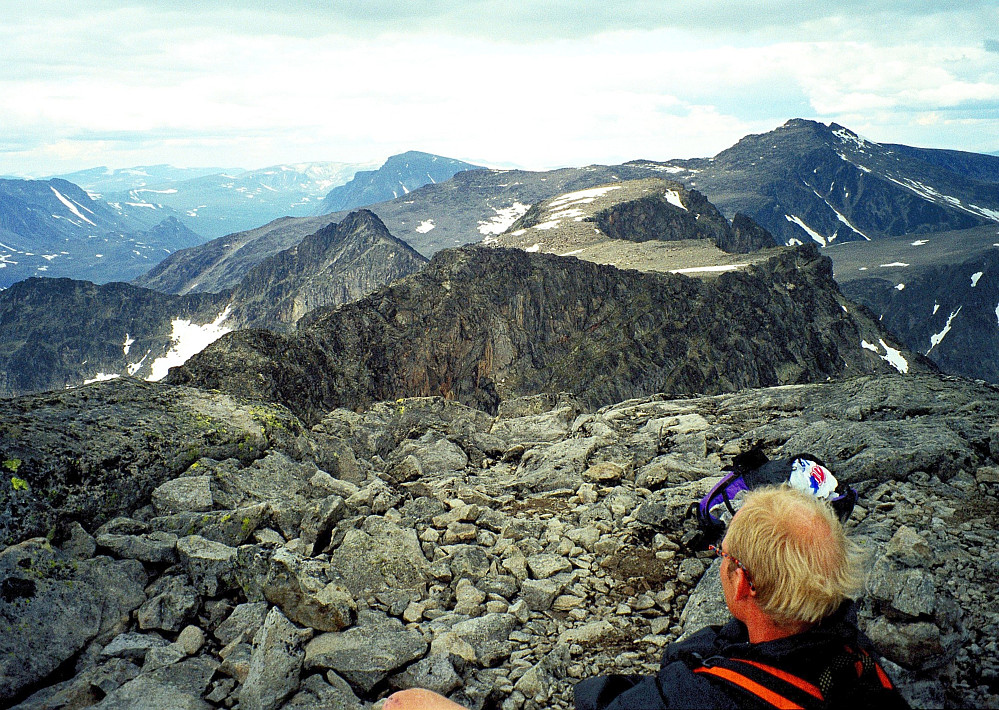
<point x="102" y="377"/>
<point x="937" y="338"/>
<point x="673" y="197"/>
<point x="720" y="267"/>
<point x="71" y="206"/>
<point x="811" y="232"/>
<point x="974" y="278"/>
<point x="189" y="339"/>
<point x="892" y="356"/>
<point x="503" y="220"/>
<point x="425" y="226"/>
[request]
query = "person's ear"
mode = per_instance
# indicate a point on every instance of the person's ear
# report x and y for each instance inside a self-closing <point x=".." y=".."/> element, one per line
<point x="743" y="587"/>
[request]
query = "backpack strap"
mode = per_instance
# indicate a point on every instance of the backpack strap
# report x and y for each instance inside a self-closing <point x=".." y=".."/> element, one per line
<point x="774" y="686"/>
<point x="864" y="670"/>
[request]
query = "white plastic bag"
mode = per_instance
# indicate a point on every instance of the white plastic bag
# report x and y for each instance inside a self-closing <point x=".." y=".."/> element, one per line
<point x="811" y="477"/>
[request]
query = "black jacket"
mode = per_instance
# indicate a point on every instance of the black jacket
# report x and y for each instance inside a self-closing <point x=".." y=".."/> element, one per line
<point x="805" y="655"/>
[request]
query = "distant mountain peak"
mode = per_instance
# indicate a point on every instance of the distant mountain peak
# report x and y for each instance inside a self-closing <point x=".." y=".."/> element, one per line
<point x="400" y="175"/>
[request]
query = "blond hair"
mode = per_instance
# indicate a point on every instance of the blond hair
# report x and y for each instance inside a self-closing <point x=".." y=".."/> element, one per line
<point x="799" y="558"/>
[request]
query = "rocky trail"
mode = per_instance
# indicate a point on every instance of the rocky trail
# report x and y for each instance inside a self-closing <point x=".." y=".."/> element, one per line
<point x="210" y="552"/>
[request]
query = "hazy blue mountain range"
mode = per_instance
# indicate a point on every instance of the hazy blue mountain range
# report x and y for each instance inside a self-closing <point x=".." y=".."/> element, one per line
<point x="104" y="180"/>
<point x="54" y="228"/>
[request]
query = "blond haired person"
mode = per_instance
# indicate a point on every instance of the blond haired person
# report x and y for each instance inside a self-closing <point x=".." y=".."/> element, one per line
<point x="788" y="574"/>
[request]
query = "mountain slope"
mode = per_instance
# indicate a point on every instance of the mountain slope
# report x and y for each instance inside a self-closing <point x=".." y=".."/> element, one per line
<point x="472" y="205"/>
<point x="338" y="264"/>
<point x="806" y="181"/>
<point x="400" y="175"/>
<point x="53" y="228"/>
<point x="480" y="325"/>
<point x="945" y="309"/>
<point x="58" y="332"/>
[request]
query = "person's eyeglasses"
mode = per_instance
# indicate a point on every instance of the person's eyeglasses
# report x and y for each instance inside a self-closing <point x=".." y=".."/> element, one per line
<point x="721" y="553"/>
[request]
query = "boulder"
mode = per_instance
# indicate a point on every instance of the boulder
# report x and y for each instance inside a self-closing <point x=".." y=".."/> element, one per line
<point x="179" y="686"/>
<point x="365" y="655"/>
<point x="171" y="602"/>
<point x="278" y="652"/>
<point x="188" y="494"/>
<point x="379" y="555"/>
<point x="52" y="605"/>
<point x="210" y="565"/>
<point x="300" y="587"/>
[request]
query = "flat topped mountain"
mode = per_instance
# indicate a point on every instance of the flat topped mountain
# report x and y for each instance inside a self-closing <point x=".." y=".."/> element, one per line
<point x="648" y="225"/>
<point x="400" y="175"/>
<point x="482" y="325"/>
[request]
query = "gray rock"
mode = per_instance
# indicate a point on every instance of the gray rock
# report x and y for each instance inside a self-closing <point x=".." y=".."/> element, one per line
<point x="179" y="686"/>
<point x="319" y="521"/>
<point x="274" y="479"/>
<point x="132" y="646"/>
<point x="468" y="562"/>
<point x="302" y="590"/>
<point x="547" y="565"/>
<point x="172" y="602"/>
<point x="79" y="544"/>
<point x="52" y="605"/>
<point x="706" y="604"/>
<point x="553" y="466"/>
<point x="274" y="664"/>
<point x="154" y="548"/>
<point x="541" y="681"/>
<point x="379" y="555"/>
<point x="210" y="565"/>
<point x="314" y="692"/>
<point x="365" y="655"/>
<point x="85" y="689"/>
<point x="540" y="593"/>
<point x="435" y="672"/>
<point x="487" y="635"/>
<point x="909" y="548"/>
<point x="189" y="494"/>
<point x="244" y="621"/>
<point x="229" y="527"/>
<point x="434" y="454"/>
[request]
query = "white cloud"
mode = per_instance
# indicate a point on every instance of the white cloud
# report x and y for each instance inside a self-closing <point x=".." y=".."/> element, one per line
<point x="510" y="82"/>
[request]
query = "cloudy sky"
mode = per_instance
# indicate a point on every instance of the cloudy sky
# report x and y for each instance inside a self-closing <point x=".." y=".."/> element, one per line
<point x="499" y="82"/>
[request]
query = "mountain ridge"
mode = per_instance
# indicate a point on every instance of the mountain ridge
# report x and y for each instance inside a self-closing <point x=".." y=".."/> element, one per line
<point x="482" y="325"/>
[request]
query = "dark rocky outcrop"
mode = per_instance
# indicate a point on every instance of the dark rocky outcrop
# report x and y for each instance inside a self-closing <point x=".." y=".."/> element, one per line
<point x="56" y="333"/>
<point x="655" y="218"/>
<point x="481" y="325"/>
<point x="60" y="332"/>
<point x="746" y="236"/>
<point x="496" y="559"/>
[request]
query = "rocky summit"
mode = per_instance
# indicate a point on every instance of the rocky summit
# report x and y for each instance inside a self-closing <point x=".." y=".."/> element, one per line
<point x="207" y="552"/>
